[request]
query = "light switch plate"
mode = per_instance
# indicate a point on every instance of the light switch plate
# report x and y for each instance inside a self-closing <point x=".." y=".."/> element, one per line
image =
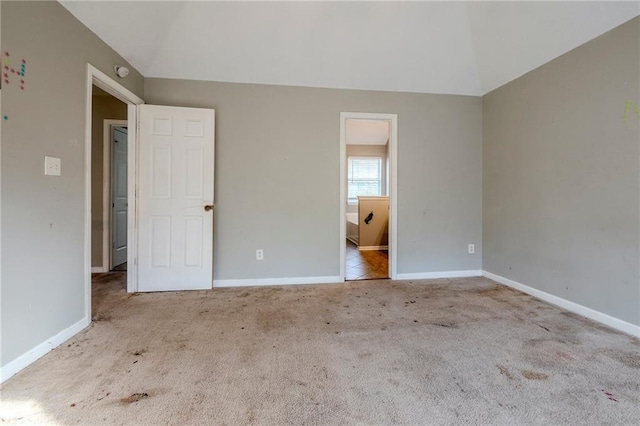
<point x="52" y="166"/>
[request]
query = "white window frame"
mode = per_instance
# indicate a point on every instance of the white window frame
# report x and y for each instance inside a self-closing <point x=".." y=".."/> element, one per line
<point x="354" y="201"/>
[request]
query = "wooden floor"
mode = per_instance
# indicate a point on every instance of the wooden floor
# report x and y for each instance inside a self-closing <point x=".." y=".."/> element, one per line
<point x="366" y="265"/>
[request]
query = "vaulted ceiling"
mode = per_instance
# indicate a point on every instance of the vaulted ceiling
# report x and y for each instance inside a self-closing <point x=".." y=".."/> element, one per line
<point x="467" y="48"/>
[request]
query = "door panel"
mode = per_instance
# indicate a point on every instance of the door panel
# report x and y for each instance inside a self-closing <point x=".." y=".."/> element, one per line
<point x="119" y="201"/>
<point x="175" y="184"/>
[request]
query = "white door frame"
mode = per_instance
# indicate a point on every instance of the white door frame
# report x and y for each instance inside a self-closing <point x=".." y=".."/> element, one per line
<point x="109" y="85"/>
<point x="107" y="236"/>
<point x="393" y="187"/>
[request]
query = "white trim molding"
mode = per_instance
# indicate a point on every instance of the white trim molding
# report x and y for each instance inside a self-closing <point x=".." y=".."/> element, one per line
<point x="369" y="248"/>
<point x="260" y="282"/>
<point x="42" y="349"/>
<point x="589" y="313"/>
<point x="98" y="269"/>
<point x="440" y="274"/>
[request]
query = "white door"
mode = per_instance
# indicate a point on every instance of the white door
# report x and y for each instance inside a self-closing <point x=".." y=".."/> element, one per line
<point x="176" y="157"/>
<point x="119" y="196"/>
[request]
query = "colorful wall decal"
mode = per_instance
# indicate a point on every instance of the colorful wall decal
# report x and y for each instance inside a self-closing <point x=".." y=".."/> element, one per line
<point x="10" y="73"/>
<point x="630" y="106"/>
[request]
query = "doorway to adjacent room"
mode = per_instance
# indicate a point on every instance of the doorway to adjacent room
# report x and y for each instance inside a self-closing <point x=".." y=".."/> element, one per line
<point x="368" y="203"/>
<point x="109" y="177"/>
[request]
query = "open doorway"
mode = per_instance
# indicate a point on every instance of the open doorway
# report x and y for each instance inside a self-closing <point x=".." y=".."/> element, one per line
<point x="106" y="99"/>
<point x="108" y="182"/>
<point x="367" y="199"/>
<point x="368" y="196"/>
<point x="109" y="207"/>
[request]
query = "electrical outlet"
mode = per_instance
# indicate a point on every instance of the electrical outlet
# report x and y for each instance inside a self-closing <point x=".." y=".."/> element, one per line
<point x="52" y="166"/>
<point x="472" y="248"/>
<point x="259" y="254"/>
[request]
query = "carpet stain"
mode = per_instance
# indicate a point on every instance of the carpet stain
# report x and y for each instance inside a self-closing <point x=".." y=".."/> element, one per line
<point x="532" y="375"/>
<point x="106" y="395"/>
<point x="134" y="397"/>
<point x="630" y="359"/>
<point x="492" y="291"/>
<point x="505" y="372"/>
<point x="274" y="320"/>
<point x="546" y="353"/>
<point x="99" y="317"/>
<point x="446" y="324"/>
<point x="564" y="355"/>
<point x="139" y="352"/>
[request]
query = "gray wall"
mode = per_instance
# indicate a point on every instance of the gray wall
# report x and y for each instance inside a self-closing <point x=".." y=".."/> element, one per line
<point x="561" y="188"/>
<point x="42" y="216"/>
<point x="277" y="175"/>
<point x="103" y="107"/>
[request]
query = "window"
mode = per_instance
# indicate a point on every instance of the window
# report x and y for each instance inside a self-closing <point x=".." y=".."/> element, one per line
<point x="364" y="177"/>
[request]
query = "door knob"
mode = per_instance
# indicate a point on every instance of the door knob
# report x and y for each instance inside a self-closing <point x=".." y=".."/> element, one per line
<point x="208" y="207"/>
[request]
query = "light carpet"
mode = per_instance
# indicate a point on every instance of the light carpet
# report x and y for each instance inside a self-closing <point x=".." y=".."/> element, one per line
<point x="375" y="352"/>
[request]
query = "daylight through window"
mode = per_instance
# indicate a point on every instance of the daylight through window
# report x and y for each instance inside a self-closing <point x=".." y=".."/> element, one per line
<point x="364" y="177"/>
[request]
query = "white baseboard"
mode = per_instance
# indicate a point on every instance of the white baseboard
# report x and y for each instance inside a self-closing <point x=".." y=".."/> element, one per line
<point x="353" y="240"/>
<point x="42" y="349"/>
<point x="441" y="274"/>
<point x="592" y="314"/>
<point x="97" y="269"/>
<point x="276" y="281"/>
<point x="366" y="248"/>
